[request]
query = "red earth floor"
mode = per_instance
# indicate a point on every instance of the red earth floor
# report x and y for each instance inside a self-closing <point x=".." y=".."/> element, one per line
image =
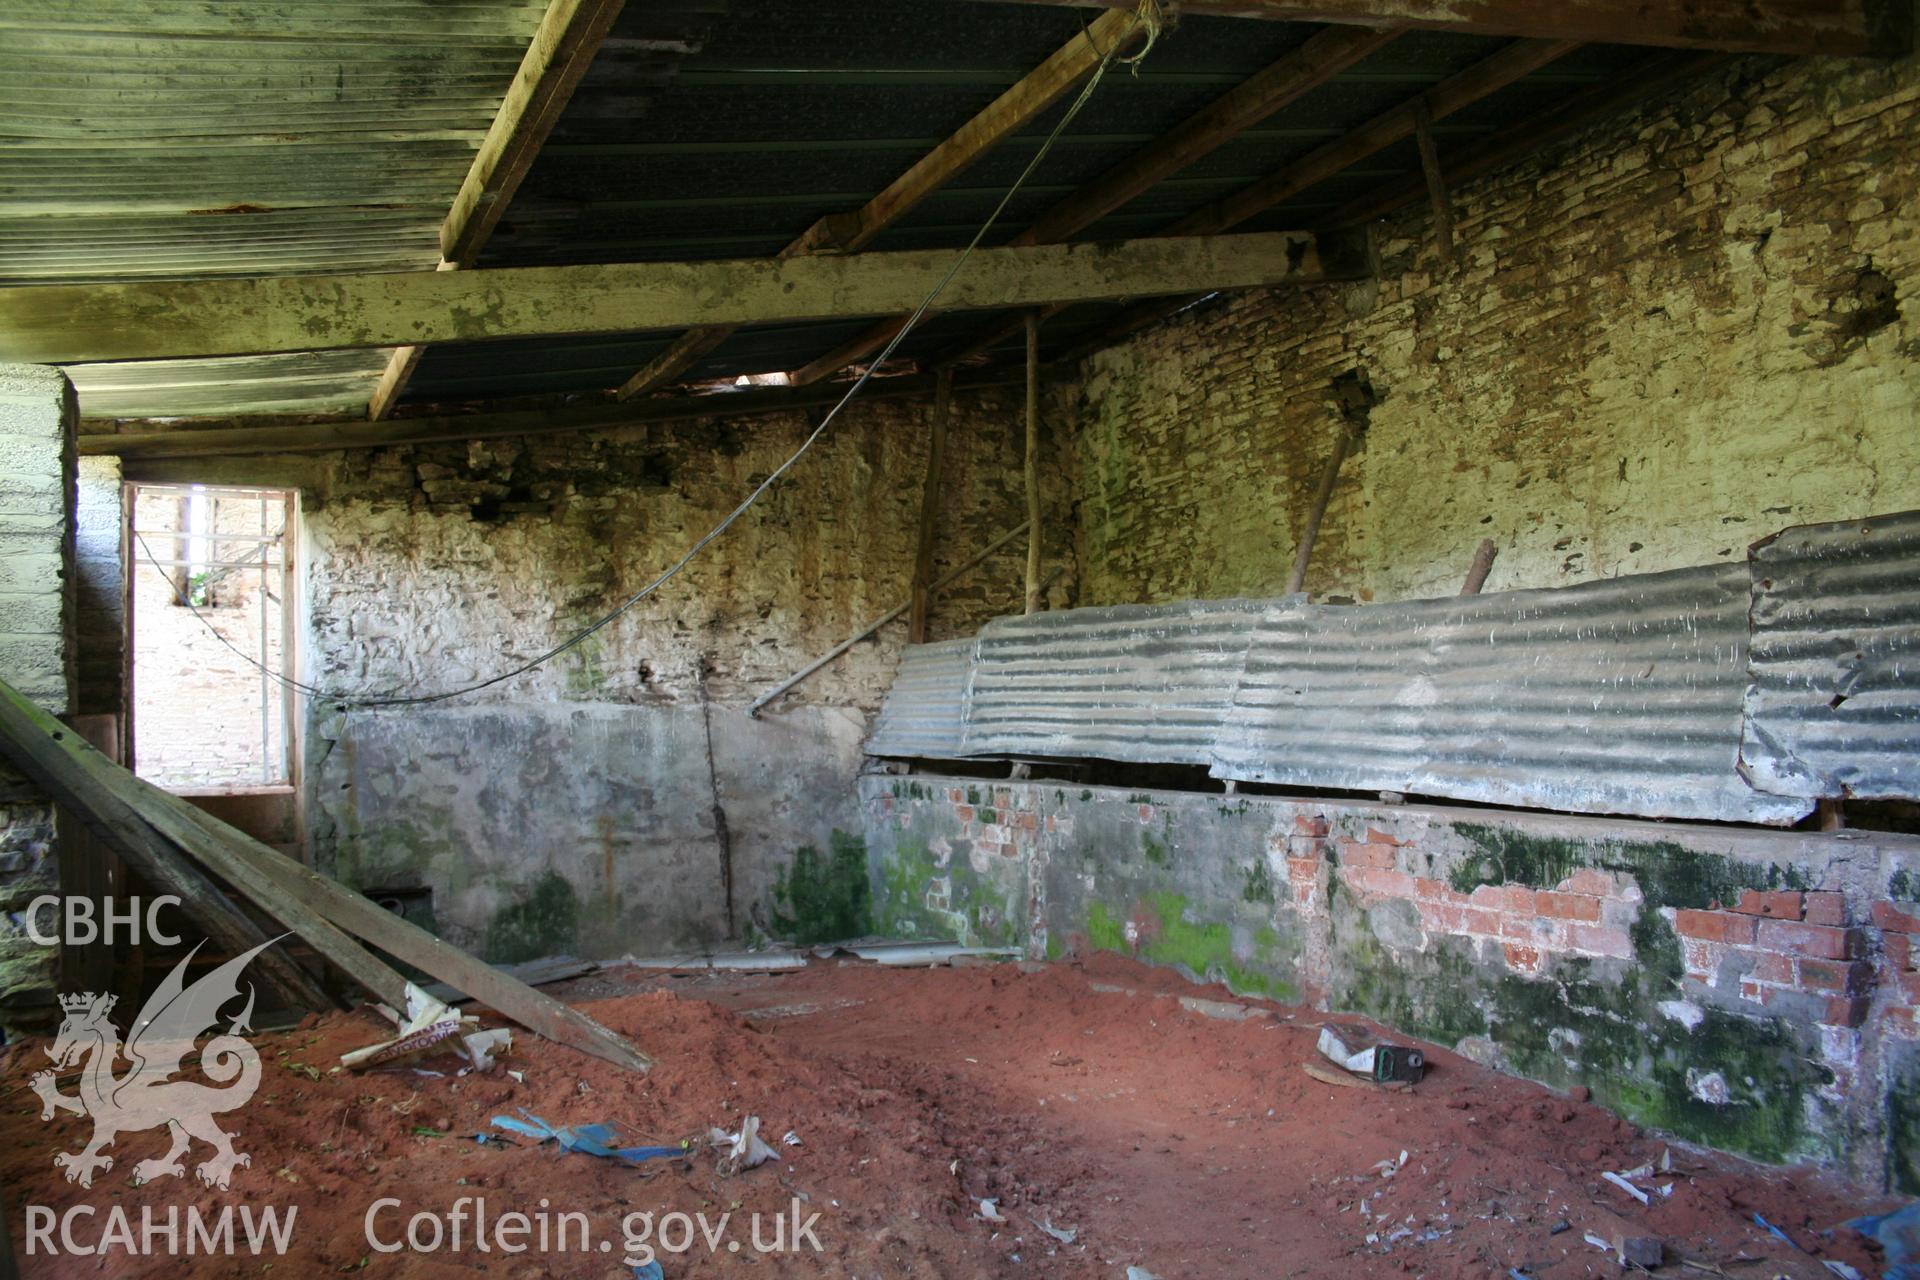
<point x="1085" y="1098"/>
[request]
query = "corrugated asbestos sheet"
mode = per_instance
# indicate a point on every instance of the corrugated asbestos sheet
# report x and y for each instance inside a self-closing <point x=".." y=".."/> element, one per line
<point x="1621" y="696"/>
<point x="180" y="139"/>
<point x="1833" y="694"/>
<point x="924" y="715"/>
<point x="1141" y="683"/>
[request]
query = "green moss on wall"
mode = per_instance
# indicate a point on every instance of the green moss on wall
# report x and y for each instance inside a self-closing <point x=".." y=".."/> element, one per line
<point x="824" y="899"/>
<point x="1671" y="875"/>
<point x="1206" y="950"/>
<point x="1259" y="884"/>
<point x="1903" y="1128"/>
<point x="546" y="923"/>
<point x="1104" y="931"/>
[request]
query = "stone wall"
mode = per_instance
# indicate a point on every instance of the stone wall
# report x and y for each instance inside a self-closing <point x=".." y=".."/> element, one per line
<point x="595" y="805"/>
<point x="36" y="655"/>
<point x="1751" y="990"/>
<point x="1687" y="327"/>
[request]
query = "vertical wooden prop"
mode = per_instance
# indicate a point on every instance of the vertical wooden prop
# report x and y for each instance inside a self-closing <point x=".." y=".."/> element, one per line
<point x="1436" y="181"/>
<point x="929" y="510"/>
<point x="1318" y="512"/>
<point x="1033" y="463"/>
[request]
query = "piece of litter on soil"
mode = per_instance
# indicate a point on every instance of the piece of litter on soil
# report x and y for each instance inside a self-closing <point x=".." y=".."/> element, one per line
<point x="990" y="1211"/>
<point x="649" y="1271"/>
<point x="479" y="1047"/>
<point x="519" y="1077"/>
<point x="1899" y="1237"/>
<point x="1626" y="1186"/>
<point x="1640" y="1251"/>
<point x="1515" y="1273"/>
<point x="1774" y="1231"/>
<point x="790" y="1139"/>
<point x="1062" y="1234"/>
<point x="745" y="1149"/>
<point x="1559" y="1227"/>
<point x="588" y="1139"/>
<point x="1597" y="1242"/>
<point x="1140" y="1273"/>
<point x="1842" y="1270"/>
<point x="428" y="1022"/>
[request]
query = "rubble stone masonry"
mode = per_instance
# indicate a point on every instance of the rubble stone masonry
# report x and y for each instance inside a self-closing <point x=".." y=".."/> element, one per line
<point x="1660" y="341"/>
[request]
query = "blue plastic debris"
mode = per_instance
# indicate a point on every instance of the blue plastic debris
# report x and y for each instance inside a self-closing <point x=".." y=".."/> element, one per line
<point x="1777" y="1232"/>
<point x="651" y="1271"/>
<point x="1899" y="1237"/>
<point x="588" y="1139"/>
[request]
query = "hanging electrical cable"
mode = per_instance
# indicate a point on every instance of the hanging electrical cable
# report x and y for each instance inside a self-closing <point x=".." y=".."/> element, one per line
<point x="1148" y="22"/>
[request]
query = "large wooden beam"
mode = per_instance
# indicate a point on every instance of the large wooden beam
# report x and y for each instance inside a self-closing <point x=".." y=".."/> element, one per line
<point x="157" y="320"/>
<point x="326" y="437"/>
<point x="557" y="57"/>
<point x="849" y="233"/>
<point x="1835" y="27"/>
<point x="1322" y="57"/>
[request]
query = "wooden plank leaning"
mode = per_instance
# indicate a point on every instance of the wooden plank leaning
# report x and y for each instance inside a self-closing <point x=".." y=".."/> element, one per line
<point x="284" y="889"/>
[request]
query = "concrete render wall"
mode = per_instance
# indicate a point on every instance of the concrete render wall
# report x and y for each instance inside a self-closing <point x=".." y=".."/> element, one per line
<point x="1662" y="339"/>
<point x="1751" y="990"/>
<point x="602" y="805"/>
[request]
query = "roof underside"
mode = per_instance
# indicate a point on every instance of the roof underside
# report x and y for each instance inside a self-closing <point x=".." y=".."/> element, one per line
<point x="262" y="138"/>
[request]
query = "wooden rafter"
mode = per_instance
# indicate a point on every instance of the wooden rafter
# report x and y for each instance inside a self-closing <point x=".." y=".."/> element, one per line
<point x="1321" y="58"/>
<point x="1488" y="76"/>
<point x="1652" y="75"/>
<point x="70" y="324"/>
<point x="849" y="233"/>
<point x="562" y="48"/>
<point x="1843" y="28"/>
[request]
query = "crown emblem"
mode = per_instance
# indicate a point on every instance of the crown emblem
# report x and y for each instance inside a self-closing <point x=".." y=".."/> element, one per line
<point x="82" y="1001"/>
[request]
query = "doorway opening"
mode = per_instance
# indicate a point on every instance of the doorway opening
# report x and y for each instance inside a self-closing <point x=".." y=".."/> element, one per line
<point x="210" y="616"/>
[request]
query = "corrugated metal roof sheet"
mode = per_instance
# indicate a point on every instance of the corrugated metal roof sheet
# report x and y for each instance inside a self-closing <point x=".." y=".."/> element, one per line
<point x="924" y="714"/>
<point x="1833" y="699"/>
<point x="1142" y="683"/>
<point x="1621" y="696"/>
<point x="793" y="111"/>
<point x="1629" y="696"/>
<point x="180" y="139"/>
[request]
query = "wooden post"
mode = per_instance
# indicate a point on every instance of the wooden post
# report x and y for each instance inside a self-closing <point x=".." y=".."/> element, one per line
<point x="1298" y="578"/>
<point x="89" y="869"/>
<point x="1436" y="181"/>
<point x="1477" y="571"/>
<point x="1033" y="463"/>
<point x="929" y="509"/>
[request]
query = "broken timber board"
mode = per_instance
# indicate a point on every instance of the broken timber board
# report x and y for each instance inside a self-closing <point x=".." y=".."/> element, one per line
<point x="55" y="757"/>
